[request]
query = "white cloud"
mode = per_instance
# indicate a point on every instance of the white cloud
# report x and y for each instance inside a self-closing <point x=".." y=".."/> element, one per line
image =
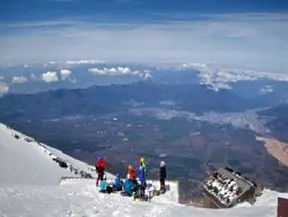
<point x="220" y="78"/>
<point x="19" y="79"/>
<point x="249" y="41"/>
<point x="1" y="78"/>
<point x="119" y="71"/>
<point x="145" y="75"/>
<point x="267" y="89"/>
<point x="83" y="62"/>
<point x="49" y="77"/>
<point x="65" y="73"/>
<point x="73" y="63"/>
<point x="4" y="88"/>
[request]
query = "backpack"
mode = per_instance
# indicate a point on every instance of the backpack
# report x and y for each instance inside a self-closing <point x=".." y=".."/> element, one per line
<point x="103" y="185"/>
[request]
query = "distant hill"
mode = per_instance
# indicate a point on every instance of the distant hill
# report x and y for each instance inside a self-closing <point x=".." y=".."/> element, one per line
<point x="106" y="99"/>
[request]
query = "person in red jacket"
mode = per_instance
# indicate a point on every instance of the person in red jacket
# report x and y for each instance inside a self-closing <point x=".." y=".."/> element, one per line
<point x="132" y="176"/>
<point x="100" y="169"/>
<point x="131" y="172"/>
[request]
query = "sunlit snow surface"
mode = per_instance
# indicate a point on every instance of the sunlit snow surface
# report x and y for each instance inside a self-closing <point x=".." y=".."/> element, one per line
<point x="25" y="163"/>
<point x="30" y="186"/>
<point x="81" y="198"/>
<point x="31" y="163"/>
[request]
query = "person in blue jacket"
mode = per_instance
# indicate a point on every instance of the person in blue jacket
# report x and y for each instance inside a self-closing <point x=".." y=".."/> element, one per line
<point x="128" y="186"/>
<point x="142" y="176"/>
<point x="105" y="187"/>
<point x="117" y="185"/>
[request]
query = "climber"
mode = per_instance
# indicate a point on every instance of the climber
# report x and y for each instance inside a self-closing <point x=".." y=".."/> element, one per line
<point x="143" y="165"/>
<point x="118" y="183"/>
<point x="131" y="173"/>
<point x="142" y="177"/>
<point x="100" y="169"/>
<point x="128" y="186"/>
<point x="105" y="186"/>
<point x="162" y="176"/>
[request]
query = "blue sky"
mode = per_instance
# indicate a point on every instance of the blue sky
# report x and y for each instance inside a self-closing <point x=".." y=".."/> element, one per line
<point x="239" y="34"/>
<point x="112" y="10"/>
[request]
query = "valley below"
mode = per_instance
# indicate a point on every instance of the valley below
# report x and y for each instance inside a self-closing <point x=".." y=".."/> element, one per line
<point x="191" y="148"/>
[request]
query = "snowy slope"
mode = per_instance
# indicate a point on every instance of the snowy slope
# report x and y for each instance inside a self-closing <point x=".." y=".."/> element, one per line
<point x="31" y="162"/>
<point x="30" y="186"/>
<point x="81" y="198"/>
<point x="24" y="163"/>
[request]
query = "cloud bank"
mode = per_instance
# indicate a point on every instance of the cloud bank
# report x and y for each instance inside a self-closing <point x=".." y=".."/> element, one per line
<point x="77" y="62"/>
<point x="80" y="62"/>
<point x="246" y="41"/>
<point x="49" y="77"/>
<point x="19" y="79"/>
<point x="220" y="78"/>
<point x="119" y="71"/>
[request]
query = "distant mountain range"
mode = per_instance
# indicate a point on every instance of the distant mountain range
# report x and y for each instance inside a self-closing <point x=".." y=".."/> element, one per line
<point x="106" y="99"/>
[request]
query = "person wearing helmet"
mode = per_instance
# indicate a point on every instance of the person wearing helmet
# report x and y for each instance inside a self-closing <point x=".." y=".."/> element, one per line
<point x="100" y="169"/>
<point x="140" y="190"/>
<point x="162" y="176"/>
<point x="143" y="165"/>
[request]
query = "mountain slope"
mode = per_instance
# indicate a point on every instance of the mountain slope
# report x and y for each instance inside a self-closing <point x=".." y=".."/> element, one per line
<point x="22" y="163"/>
<point x="25" y="161"/>
<point x="35" y="192"/>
